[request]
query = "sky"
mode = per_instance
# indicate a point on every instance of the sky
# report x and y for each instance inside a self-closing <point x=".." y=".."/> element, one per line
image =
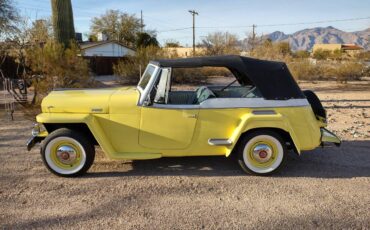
<point x="170" y="17"/>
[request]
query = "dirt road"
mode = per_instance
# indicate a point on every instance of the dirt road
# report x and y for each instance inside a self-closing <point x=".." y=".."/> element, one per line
<point x="325" y="188"/>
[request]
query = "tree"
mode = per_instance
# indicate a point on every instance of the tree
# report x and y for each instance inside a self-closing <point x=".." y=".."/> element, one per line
<point x="172" y="43"/>
<point x="118" y="26"/>
<point x="145" y="39"/>
<point x="40" y="32"/>
<point x="58" y="67"/>
<point x="220" y="43"/>
<point x="62" y="16"/>
<point x="8" y="17"/>
<point x="129" y="70"/>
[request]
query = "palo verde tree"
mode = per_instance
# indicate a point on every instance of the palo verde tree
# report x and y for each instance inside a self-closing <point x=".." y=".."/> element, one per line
<point x="62" y="17"/>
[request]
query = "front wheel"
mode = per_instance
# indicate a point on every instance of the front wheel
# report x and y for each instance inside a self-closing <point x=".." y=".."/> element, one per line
<point x="67" y="153"/>
<point x="261" y="152"/>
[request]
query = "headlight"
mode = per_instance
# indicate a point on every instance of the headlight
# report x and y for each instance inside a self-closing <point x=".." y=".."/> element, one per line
<point x="37" y="128"/>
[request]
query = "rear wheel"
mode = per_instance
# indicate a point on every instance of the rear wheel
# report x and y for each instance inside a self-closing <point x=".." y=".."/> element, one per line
<point x="67" y="153"/>
<point x="261" y="152"/>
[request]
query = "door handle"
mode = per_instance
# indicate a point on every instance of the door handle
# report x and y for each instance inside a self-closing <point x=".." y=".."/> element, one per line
<point x="192" y="116"/>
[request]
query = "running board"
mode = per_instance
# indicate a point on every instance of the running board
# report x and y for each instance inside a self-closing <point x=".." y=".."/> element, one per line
<point x="219" y="142"/>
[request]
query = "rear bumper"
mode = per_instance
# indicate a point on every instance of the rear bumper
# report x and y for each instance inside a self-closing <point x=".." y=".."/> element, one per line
<point x="329" y="137"/>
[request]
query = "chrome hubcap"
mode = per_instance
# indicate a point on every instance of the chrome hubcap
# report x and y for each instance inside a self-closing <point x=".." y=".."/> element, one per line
<point x="66" y="154"/>
<point x="262" y="153"/>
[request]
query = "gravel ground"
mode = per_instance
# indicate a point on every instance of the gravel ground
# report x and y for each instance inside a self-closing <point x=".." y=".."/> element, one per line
<point x="324" y="188"/>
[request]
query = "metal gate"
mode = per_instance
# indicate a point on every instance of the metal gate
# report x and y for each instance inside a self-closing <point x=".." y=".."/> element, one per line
<point x="11" y="96"/>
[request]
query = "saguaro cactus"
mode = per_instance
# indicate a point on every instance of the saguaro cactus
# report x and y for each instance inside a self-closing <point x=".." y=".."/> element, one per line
<point x="63" y="25"/>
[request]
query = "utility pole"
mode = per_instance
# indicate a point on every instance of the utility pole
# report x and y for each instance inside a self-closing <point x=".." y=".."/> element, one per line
<point x="193" y="13"/>
<point x="141" y="21"/>
<point x="253" y="36"/>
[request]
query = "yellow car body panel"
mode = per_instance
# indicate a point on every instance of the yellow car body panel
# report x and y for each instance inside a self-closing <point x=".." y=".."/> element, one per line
<point x="125" y="130"/>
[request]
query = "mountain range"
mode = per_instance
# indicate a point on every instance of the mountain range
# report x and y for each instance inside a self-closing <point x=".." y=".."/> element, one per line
<point x="305" y="39"/>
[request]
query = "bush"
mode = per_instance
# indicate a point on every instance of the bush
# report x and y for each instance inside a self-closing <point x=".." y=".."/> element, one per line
<point x="304" y="70"/>
<point x="347" y="71"/>
<point x="58" y="67"/>
<point x="327" y="70"/>
<point x="301" y="54"/>
<point x="278" y="51"/>
<point x="129" y="70"/>
<point x="198" y="75"/>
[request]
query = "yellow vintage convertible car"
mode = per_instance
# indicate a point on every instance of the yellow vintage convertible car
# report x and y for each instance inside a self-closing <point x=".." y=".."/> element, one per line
<point x="257" y="121"/>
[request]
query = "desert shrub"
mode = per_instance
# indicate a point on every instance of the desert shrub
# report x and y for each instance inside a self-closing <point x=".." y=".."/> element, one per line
<point x="327" y="70"/>
<point x="363" y="56"/>
<point x="278" y="51"/>
<point x="301" y="54"/>
<point x="129" y="70"/>
<point x="188" y="75"/>
<point x="58" y="67"/>
<point x="304" y="70"/>
<point x="198" y="75"/>
<point x="220" y="43"/>
<point x="347" y="71"/>
<point x="321" y="54"/>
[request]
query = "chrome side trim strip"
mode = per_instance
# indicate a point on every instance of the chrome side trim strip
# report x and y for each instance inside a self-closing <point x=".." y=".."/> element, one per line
<point x="263" y="112"/>
<point x="226" y="103"/>
<point x="252" y="103"/>
<point x="169" y="106"/>
<point x="219" y="142"/>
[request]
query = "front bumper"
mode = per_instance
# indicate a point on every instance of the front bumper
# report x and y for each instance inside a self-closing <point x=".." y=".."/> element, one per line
<point x="38" y="134"/>
<point x="329" y="137"/>
<point x="33" y="141"/>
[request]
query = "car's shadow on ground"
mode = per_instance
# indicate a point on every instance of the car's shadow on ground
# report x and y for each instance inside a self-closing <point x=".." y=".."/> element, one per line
<point x="352" y="159"/>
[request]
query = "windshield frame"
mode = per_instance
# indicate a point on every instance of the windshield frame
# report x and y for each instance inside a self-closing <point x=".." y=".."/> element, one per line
<point x="149" y="85"/>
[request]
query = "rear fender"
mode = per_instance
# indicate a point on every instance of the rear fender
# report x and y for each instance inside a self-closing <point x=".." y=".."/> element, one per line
<point x="252" y="121"/>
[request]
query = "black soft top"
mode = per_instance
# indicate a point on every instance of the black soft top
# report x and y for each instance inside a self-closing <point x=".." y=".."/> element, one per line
<point x="272" y="78"/>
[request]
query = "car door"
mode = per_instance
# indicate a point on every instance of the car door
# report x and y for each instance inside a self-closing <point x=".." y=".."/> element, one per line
<point x="164" y="126"/>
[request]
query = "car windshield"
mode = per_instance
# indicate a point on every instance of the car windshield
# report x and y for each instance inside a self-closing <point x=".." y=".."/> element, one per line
<point x="146" y="76"/>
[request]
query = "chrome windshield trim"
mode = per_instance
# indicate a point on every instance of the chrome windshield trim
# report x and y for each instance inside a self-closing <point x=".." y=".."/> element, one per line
<point x="144" y="92"/>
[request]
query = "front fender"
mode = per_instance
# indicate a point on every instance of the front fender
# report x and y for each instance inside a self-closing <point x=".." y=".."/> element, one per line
<point x="91" y="120"/>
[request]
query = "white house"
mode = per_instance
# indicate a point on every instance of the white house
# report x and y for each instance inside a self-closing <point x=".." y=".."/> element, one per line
<point x="105" y="49"/>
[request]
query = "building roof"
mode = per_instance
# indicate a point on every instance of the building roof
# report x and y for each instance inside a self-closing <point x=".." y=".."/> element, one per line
<point x="333" y="47"/>
<point x="351" y="47"/>
<point x="88" y="45"/>
<point x="273" y="79"/>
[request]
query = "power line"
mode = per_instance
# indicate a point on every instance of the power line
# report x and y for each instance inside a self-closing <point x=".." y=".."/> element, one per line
<point x="269" y="25"/>
<point x="184" y="28"/>
<point x="316" y="22"/>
